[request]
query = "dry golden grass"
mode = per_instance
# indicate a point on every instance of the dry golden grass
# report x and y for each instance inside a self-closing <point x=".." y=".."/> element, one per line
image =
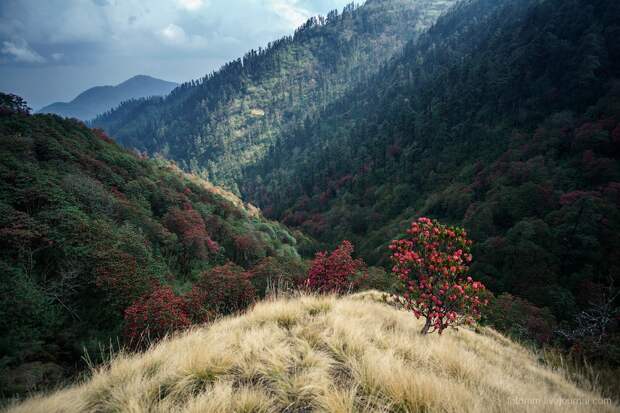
<point x="324" y="354"/>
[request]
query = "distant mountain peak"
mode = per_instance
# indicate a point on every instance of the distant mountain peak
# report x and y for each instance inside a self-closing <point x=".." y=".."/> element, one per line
<point x="141" y="78"/>
<point x="99" y="99"/>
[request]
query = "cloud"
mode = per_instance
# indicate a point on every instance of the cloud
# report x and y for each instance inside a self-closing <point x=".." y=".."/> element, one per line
<point x="190" y="5"/>
<point x="21" y="52"/>
<point x="292" y="14"/>
<point x="174" y="35"/>
<point x="52" y="50"/>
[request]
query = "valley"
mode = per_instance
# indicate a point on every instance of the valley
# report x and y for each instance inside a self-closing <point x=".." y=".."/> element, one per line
<point x="402" y="206"/>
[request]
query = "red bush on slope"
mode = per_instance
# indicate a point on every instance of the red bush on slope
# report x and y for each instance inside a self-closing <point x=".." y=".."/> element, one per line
<point x="336" y="272"/>
<point x="431" y="264"/>
<point x="154" y="315"/>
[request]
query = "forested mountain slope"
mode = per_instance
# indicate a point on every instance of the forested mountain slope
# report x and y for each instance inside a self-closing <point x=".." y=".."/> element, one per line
<point x="99" y="99"/>
<point x="88" y="229"/>
<point x="503" y="117"/>
<point x="230" y="118"/>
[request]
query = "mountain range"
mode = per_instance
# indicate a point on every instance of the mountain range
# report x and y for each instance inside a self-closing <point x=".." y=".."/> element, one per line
<point x="97" y="100"/>
<point x="365" y="119"/>
<point x="501" y="117"/>
<point x="102" y="226"/>
<point x="230" y="118"/>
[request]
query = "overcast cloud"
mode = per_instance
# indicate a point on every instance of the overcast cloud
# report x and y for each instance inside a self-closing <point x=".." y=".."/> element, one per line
<point x="50" y="50"/>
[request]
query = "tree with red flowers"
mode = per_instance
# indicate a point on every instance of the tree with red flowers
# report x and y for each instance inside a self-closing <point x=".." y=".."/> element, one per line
<point x="154" y="315"/>
<point x="121" y="277"/>
<point x="432" y="264"/>
<point x="224" y="289"/>
<point x="248" y="249"/>
<point x="336" y="272"/>
<point x="189" y="226"/>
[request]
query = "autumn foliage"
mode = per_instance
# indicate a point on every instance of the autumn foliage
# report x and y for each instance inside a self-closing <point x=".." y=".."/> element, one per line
<point x="117" y="274"/>
<point x="224" y="289"/>
<point x="154" y="315"/>
<point x="189" y="226"/>
<point x="432" y="264"/>
<point x="337" y="272"/>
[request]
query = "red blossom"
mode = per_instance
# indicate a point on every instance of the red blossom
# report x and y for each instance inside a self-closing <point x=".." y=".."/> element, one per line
<point x="100" y="133"/>
<point x="189" y="226"/>
<point x="154" y="315"/>
<point x="223" y="289"/>
<point x="431" y="264"/>
<point x="336" y="272"/>
<point x="117" y="273"/>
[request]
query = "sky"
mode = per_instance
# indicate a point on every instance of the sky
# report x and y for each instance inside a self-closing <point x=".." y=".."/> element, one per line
<point x="51" y="50"/>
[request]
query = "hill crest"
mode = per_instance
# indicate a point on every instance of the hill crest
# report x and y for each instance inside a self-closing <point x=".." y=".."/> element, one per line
<point x="324" y="354"/>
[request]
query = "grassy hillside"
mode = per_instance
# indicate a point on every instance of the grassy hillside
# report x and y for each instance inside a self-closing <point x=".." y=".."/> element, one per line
<point x="88" y="228"/>
<point x="323" y="354"/>
<point x="230" y="118"/>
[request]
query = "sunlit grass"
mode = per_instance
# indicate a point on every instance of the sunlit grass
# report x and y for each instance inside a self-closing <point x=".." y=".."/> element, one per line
<point x="324" y="354"/>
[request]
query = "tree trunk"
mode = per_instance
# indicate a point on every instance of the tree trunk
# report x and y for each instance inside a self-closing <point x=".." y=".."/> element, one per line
<point x="427" y="326"/>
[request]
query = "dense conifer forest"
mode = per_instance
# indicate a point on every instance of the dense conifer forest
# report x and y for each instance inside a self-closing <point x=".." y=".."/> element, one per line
<point x="504" y="118"/>
<point x="229" y="118"/>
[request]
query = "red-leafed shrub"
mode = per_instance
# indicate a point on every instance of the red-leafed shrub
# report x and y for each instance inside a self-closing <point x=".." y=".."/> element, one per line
<point x="224" y="289"/>
<point x="189" y="226"/>
<point x="100" y="133"/>
<point x="154" y="315"/>
<point x="248" y="249"/>
<point x="570" y="198"/>
<point x="337" y="272"/>
<point x="197" y="308"/>
<point x="295" y="219"/>
<point x="117" y="274"/>
<point x="315" y="225"/>
<point x="431" y="264"/>
<point x="20" y="231"/>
